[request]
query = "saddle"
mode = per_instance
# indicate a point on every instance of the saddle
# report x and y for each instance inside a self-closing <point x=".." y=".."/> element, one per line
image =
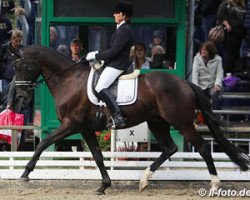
<point x="124" y="89"/>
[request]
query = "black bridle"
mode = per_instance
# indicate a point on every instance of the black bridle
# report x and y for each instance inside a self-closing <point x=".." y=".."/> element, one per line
<point x="32" y="85"/>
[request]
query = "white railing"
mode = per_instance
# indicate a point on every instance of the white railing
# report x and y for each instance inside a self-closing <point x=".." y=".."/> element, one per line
<point x="120" y="165"/>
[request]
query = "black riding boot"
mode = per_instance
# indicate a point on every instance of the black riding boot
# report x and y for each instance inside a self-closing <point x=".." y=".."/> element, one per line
<point x="112" y="105"/>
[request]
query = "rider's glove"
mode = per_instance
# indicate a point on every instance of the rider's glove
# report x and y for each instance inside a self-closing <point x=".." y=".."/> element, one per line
<point x="91" y="55"/>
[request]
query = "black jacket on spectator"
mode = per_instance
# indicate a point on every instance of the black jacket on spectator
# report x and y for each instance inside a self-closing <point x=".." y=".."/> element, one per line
<point x="7" y="6"/>
<point x="247" y="17"/>
<point x="5" y="28"/>
<point x="117" y="56"/>
<point x="209" y="7"/>
<point x="7" y="55"/>
<point x="236" y="22"/>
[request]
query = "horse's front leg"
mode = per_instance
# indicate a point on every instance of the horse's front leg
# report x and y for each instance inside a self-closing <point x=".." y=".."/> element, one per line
<point x="60" y="133"/>
<point x="91" y="140"/>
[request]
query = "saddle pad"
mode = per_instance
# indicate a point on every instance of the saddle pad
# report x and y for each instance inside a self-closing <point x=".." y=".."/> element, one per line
<point x="126" y="94"/>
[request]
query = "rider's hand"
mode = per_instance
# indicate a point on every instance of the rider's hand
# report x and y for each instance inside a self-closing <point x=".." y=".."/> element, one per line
<point x="91" y="55"/>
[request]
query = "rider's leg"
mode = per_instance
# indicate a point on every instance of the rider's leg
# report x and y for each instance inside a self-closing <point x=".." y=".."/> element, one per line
<point x="107" y="77"/>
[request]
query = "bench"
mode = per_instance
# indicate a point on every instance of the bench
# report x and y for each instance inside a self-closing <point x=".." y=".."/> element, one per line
<point x="235" y="95"/>
<point x="235" y="129"/>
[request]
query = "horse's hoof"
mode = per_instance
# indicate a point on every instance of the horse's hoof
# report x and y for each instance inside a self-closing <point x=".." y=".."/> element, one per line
<point x="100" y="192"/>
<point x="143" y="185"/>
<point x="24" y="179"/>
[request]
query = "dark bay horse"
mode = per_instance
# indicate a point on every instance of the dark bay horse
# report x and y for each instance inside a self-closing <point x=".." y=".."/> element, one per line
<point x="163" y="100"/>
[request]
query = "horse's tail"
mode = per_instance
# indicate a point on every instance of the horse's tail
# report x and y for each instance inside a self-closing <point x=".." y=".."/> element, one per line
<point x="213" y="123"/>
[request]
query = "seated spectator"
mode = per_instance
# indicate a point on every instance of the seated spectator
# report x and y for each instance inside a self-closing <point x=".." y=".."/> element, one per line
<point x="132" y="54"/>
<point x="158" y="57"/>
<point x="140" y="61"/>
<point x="8" y="53"/>
<point x="5" y="29"/>
<point x="77" y="50"/>
<point x="53" y="37"/>
<point x="157" y="39"/>
<point x="63" y="49"/>
<point x="208" y="72"/>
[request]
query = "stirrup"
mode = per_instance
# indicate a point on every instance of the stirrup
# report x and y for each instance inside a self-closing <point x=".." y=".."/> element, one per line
<point x="117" y="122"/>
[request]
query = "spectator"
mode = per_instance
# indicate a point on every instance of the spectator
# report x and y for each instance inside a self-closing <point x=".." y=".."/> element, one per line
<point x="77" y="50"/>
<point x="21" y="101"/>
<point x="140" y="61"/>
<point x="158" y="57"/>
<point x="208" y="72"/>
<point x="7" y="6"/>
<point x="246" y="43"/>
<point x="132" y="53"/>
<point x="8" y="53"/>
<point x="208" y="11"/>
<point x="158" y="39"/>
<point x="30" y="8"/>
<point x="198" y="30"/>
<point x="5" y="29"/>
<point x="53" y="36"/>
<point x="231" y="15"/>
<point x="63" y="49"/>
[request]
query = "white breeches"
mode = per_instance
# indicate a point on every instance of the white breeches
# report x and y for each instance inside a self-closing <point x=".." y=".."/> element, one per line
<point x="107" y="77"/>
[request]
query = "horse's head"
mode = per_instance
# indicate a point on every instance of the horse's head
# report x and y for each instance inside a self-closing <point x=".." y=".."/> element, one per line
<point x="27" y="70"/>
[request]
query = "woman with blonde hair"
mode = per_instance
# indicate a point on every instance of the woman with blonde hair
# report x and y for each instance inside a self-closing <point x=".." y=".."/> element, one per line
<point x="231" y="14"/>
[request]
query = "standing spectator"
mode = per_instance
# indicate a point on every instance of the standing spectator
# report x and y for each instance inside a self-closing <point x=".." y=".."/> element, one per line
<point x="208" y="9"/>
<point x="21" y="101"/>
<point x="208" y="72"/>
<point x="7" y="6"/>
<point x="30" y="8"/>
<point x="77" y="50"/>
<point x="140" y="61"/>
<point x="8" y="53"/>
<point x="231" y="15"/>
<point x="246" y="43"/>
<point x="247" y="22"/>
<point x="5" y="29"/>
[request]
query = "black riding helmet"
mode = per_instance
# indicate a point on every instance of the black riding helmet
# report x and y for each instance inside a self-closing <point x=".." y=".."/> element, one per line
<point x="124" y="7"/>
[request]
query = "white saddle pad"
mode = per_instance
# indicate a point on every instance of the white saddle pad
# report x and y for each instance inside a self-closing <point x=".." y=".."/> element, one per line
<point x="126" y="94"/>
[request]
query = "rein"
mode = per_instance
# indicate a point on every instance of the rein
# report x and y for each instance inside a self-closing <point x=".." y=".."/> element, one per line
<point x="33" y="85"/>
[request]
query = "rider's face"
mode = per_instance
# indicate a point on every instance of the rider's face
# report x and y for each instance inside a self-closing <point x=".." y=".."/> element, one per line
<point x="118" y="17"/>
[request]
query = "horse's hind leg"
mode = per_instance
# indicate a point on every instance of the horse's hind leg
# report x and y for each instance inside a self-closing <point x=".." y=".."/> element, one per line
<point x="160" y="130"/>
<point x="63" y="131"/>
<point x="95" y="149"/>
<point x="202" y="147"/>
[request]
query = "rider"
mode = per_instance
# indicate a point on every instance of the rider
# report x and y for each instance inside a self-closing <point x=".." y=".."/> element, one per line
<point x="117" y="59"/>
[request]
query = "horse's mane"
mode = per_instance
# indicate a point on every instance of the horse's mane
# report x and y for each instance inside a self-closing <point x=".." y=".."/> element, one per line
<point x="57" y="57"/>
<point x="49" y="50"/>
